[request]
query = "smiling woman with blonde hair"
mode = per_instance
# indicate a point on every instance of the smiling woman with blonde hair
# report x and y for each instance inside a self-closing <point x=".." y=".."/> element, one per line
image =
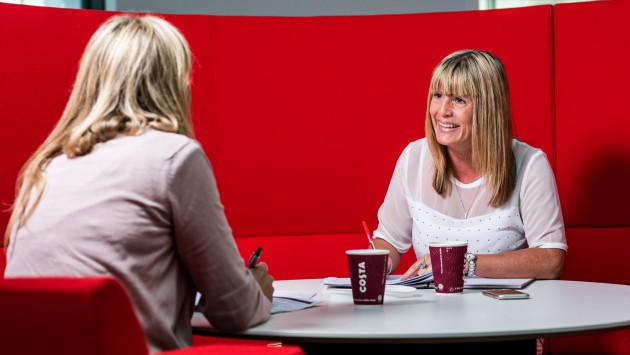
<point x="121" y="188"/>
<point x="470" y="180"/>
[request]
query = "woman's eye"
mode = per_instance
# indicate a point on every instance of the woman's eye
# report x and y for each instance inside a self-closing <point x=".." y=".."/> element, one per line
<point x="459" y="100"/>
<point x="437" y="95"/>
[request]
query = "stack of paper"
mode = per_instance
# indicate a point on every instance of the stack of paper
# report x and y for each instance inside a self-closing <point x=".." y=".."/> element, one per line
<point x="417" y="282"/>
<point x="426" y="280"/>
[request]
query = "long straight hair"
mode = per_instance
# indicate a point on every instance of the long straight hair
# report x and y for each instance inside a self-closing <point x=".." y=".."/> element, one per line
<point x="480" y="76"/>
<point x="134" y="74"/>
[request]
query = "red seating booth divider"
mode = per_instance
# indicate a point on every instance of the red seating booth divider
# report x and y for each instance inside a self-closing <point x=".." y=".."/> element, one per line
<point x="592" y="151"/>
<point x="303" y="118"/>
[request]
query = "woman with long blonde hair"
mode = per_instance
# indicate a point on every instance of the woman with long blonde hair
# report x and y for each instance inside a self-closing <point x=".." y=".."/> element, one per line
<point x="120" y="187"/>
<point x="470" y="180"/>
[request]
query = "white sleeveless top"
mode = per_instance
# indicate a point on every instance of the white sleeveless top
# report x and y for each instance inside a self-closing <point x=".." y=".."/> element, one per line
<point x="413" y="214"/>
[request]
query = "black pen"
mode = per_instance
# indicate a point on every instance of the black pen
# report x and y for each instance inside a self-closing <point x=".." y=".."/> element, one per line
<point x="253" y="260"/>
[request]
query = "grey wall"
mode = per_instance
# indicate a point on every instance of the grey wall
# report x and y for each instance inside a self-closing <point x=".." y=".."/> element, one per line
<point x="290" y="7"/>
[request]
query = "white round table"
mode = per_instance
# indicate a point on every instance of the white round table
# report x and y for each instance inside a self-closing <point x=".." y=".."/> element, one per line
<point x="555" y="308"/>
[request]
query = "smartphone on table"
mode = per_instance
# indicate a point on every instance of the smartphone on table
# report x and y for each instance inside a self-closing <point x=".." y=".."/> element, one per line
<point x="505" y="294"/>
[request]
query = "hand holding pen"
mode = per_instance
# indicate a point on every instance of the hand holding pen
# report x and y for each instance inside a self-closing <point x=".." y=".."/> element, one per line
<point x="259" y="271"/>
<point x="253" y="260"/>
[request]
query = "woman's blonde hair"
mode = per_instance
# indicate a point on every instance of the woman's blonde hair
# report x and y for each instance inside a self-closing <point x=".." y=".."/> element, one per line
<point x="480" y="76"/>
<point x="134" y="74"/>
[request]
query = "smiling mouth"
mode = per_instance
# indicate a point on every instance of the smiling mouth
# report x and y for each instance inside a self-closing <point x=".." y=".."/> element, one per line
<point x="447" y="125"/>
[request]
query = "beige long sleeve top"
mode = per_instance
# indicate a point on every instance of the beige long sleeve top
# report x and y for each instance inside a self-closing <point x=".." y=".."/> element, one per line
<point x="146" y="210"/>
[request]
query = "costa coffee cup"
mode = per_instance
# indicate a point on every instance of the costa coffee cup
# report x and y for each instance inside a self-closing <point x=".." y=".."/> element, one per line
<point x="368" y="272"/>
<point x="447" y="261"/>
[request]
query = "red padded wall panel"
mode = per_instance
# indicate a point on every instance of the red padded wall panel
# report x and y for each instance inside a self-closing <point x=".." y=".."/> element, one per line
<point x="309" y="256"/>
<point x="313" y="256"/>
<point x="313" y="112"/>
<point x="39" y="57"/>
<point x="593" y="149"/>
<point x="590" y="255"/>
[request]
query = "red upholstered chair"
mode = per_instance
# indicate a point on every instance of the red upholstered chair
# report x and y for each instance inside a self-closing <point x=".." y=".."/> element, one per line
<point x="79" y="316"/>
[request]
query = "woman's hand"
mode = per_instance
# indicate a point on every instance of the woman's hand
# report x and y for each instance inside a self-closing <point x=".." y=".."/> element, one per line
<point x="265" y="280"/>
<point x="420" y="267"/>
<point x="394" y="256"/>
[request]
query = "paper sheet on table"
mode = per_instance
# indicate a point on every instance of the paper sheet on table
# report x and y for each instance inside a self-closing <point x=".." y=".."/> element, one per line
<point x="286" y="301"/>
<point x="485" y="282"/>
<point x="289" y="301"/>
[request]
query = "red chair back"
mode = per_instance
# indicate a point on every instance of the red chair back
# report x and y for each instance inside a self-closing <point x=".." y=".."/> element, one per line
<point x="69" y="316"/>
<point x="89" y="315"/>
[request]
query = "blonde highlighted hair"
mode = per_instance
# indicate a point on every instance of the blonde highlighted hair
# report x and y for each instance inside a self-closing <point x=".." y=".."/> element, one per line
<point x="480" y="76"/>
<point x="134" y="74"/>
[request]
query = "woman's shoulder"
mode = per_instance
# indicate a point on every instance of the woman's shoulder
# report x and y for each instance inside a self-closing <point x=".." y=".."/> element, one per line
<point x="528" y="157"/>
<point x="417" y="146"/>
<point x="150" y="147"/>
<point x="523" y="151"/>
<point x="413" y="151"/>
<point x="413" y="155"/>
<point x="166" y="142"/>
<point x="168" y="138"/>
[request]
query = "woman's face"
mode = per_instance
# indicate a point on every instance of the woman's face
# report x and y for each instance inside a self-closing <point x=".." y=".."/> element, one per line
<point x="452" y="120"/>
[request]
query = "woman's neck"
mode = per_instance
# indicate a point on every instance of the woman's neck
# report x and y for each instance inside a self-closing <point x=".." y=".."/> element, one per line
<point x="462" y="166"/>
